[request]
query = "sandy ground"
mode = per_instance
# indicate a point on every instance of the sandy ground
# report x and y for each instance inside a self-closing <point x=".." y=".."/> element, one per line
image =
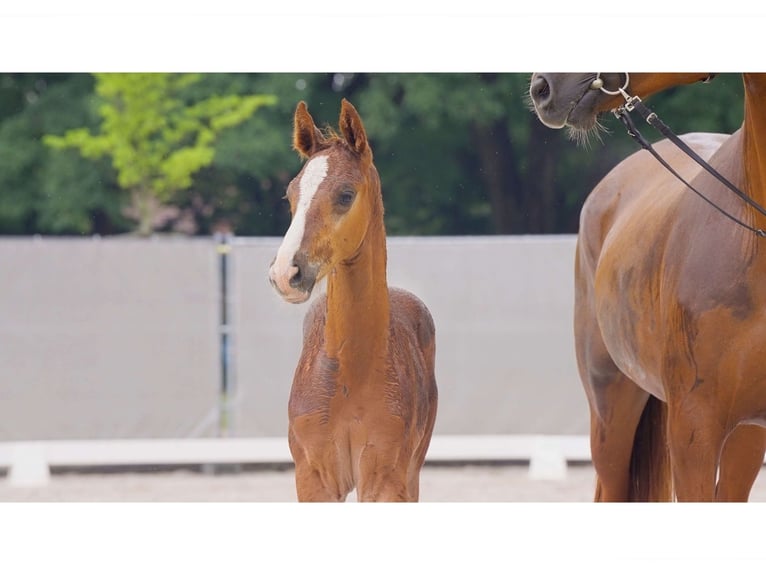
<point x="471" y="483"/>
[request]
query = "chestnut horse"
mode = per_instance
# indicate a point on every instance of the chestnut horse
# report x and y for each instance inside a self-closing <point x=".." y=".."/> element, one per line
<point x="363" y="401"/>
<point x="670" y="300"/>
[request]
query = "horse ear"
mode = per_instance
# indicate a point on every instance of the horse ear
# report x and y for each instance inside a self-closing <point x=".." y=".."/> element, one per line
<point x="307" y="138"/>
<point x="352" y="128"/>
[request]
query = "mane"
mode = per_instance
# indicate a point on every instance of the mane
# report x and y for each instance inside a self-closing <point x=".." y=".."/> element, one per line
<point x="330" y="138"/>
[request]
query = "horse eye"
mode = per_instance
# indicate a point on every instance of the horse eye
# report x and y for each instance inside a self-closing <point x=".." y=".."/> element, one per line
<point x="345" y="198"/>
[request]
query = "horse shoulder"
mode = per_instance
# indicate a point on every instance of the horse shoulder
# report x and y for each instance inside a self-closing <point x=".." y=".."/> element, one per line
<point x="411" y="358"/>
<point x="410" y="312"/>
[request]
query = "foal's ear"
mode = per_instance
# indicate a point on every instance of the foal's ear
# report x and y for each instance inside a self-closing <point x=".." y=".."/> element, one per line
<point x="307" y="139"/>
<point x="352" y="128"/>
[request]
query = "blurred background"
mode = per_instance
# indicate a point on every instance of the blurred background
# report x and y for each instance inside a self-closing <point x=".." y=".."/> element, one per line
<point x="459" y="154"/>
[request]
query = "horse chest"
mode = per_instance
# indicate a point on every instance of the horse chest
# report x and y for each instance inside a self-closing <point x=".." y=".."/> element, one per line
<point x="338" y="388"/>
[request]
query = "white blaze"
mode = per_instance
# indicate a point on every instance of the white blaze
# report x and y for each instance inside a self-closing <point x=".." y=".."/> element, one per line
<point x="313" y="176"/>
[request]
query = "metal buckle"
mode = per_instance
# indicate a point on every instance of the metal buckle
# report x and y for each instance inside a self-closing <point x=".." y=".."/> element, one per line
<point x="630" y="101"/>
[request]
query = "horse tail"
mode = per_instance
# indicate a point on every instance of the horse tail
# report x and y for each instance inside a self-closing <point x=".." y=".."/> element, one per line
<point x="651" y="478"/>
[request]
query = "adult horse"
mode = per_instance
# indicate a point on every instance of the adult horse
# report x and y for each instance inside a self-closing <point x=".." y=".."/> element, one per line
<point x="363" y="401"/>
<point x="670" y="300"/>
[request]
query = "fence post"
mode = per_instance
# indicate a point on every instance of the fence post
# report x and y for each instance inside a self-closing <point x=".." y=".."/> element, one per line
<point x="29" y="466"/>
<point x="228" y="387"/>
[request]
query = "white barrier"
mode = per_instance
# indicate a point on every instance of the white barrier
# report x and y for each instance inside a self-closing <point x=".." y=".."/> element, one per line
<point x="29" y="462"/>
<point x="83" y="321"/>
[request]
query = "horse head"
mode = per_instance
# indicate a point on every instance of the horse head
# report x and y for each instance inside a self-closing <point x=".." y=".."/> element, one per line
<point x="576" y="100"/>
<point x="332" y="201"/>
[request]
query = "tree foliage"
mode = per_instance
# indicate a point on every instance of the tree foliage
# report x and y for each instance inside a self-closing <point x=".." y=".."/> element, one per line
<point x="457" y="153"/>
<point x="155" y="138"/>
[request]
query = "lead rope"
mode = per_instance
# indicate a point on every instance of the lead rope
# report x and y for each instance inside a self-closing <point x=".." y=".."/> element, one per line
<point x="634" y="103"/>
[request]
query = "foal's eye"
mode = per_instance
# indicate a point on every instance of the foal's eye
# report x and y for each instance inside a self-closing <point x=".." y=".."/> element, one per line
<point x="345" y="198"/>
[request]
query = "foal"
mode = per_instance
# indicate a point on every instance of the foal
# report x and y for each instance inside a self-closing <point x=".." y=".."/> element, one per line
<point x="363" y="401"/>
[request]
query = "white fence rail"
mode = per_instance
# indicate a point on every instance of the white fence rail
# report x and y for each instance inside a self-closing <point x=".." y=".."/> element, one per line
<point x="29" y="463"/>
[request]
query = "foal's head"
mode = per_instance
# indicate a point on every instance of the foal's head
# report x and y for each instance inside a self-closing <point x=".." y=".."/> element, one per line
<point x="332" y="200"/>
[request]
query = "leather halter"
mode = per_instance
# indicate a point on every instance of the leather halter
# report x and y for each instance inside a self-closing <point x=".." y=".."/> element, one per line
<point x="634" y="103"/>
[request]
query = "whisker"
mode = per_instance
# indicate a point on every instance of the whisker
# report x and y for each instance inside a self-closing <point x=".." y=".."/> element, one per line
<point x="528" y="102"/>
<point x="584" y="137"/>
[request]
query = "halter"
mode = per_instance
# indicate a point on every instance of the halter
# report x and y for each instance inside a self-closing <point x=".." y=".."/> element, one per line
<point x="634" y="103"/>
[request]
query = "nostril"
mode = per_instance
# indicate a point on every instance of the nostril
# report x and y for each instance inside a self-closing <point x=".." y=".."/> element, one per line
<point x="297" y="278"/>
<point x="540" y="89"/>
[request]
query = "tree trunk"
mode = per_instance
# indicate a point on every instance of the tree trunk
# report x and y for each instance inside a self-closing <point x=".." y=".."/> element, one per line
<point x="540" y="178"/>
<point x="144" y="210"/>
<point x="498" y="170"/>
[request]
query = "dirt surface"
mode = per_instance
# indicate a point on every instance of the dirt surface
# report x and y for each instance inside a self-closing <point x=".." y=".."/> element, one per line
<point x="473" y="483"/>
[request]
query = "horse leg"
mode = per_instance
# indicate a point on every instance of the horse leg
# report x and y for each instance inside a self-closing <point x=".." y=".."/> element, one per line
<point x="419" y="455"/>
<point x="383" y="473"/>
<point x="616" y="409"/>
<point x="413" y="472"/>
<point x="695" y="440"/>
<point x="741" y="460"/>
<point x="415" y="466"/>
<point x="311" y="486"/>
<point x="616" y="403"/>
<point x="313" y="483"/>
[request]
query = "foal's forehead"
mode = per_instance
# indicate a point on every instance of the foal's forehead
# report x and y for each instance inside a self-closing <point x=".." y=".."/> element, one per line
<point x="314" y="172"/>
<point x="332" y="164"/>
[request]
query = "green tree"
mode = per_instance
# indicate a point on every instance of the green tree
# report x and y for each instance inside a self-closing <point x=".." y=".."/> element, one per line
<point x="458" y="153"/>
<point x="156" y="139"/>
<point x="42" y="191"/>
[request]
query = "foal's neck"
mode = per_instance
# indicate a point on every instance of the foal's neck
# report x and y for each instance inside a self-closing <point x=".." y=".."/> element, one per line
<point x="357" y="303"/>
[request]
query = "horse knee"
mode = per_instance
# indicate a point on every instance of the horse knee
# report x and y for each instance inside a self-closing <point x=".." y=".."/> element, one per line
<point x="741" y="461"/>
<point x="389" y="485"/>
<point x="312" y="486"/>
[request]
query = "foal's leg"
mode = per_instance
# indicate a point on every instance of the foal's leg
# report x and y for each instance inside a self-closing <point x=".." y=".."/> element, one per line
<point x="419" y="454"/>
<point x="311" y="486"/>
<point x="383" y="470"/>
<point x="388" y="485"/>
<point x="415" y="466"/>
<point x="317" y="482"/>
<point x="741" y="460"/>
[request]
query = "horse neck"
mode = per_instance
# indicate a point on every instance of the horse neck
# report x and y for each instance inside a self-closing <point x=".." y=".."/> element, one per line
<point x="754" y="138"/>
<point x="356" y="330"/>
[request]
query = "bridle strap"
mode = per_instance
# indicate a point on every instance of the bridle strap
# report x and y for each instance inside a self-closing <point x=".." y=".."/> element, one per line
<point x="636" y="135"/>
<point x="635" y="103"/>
<point x="653" y="120"/>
